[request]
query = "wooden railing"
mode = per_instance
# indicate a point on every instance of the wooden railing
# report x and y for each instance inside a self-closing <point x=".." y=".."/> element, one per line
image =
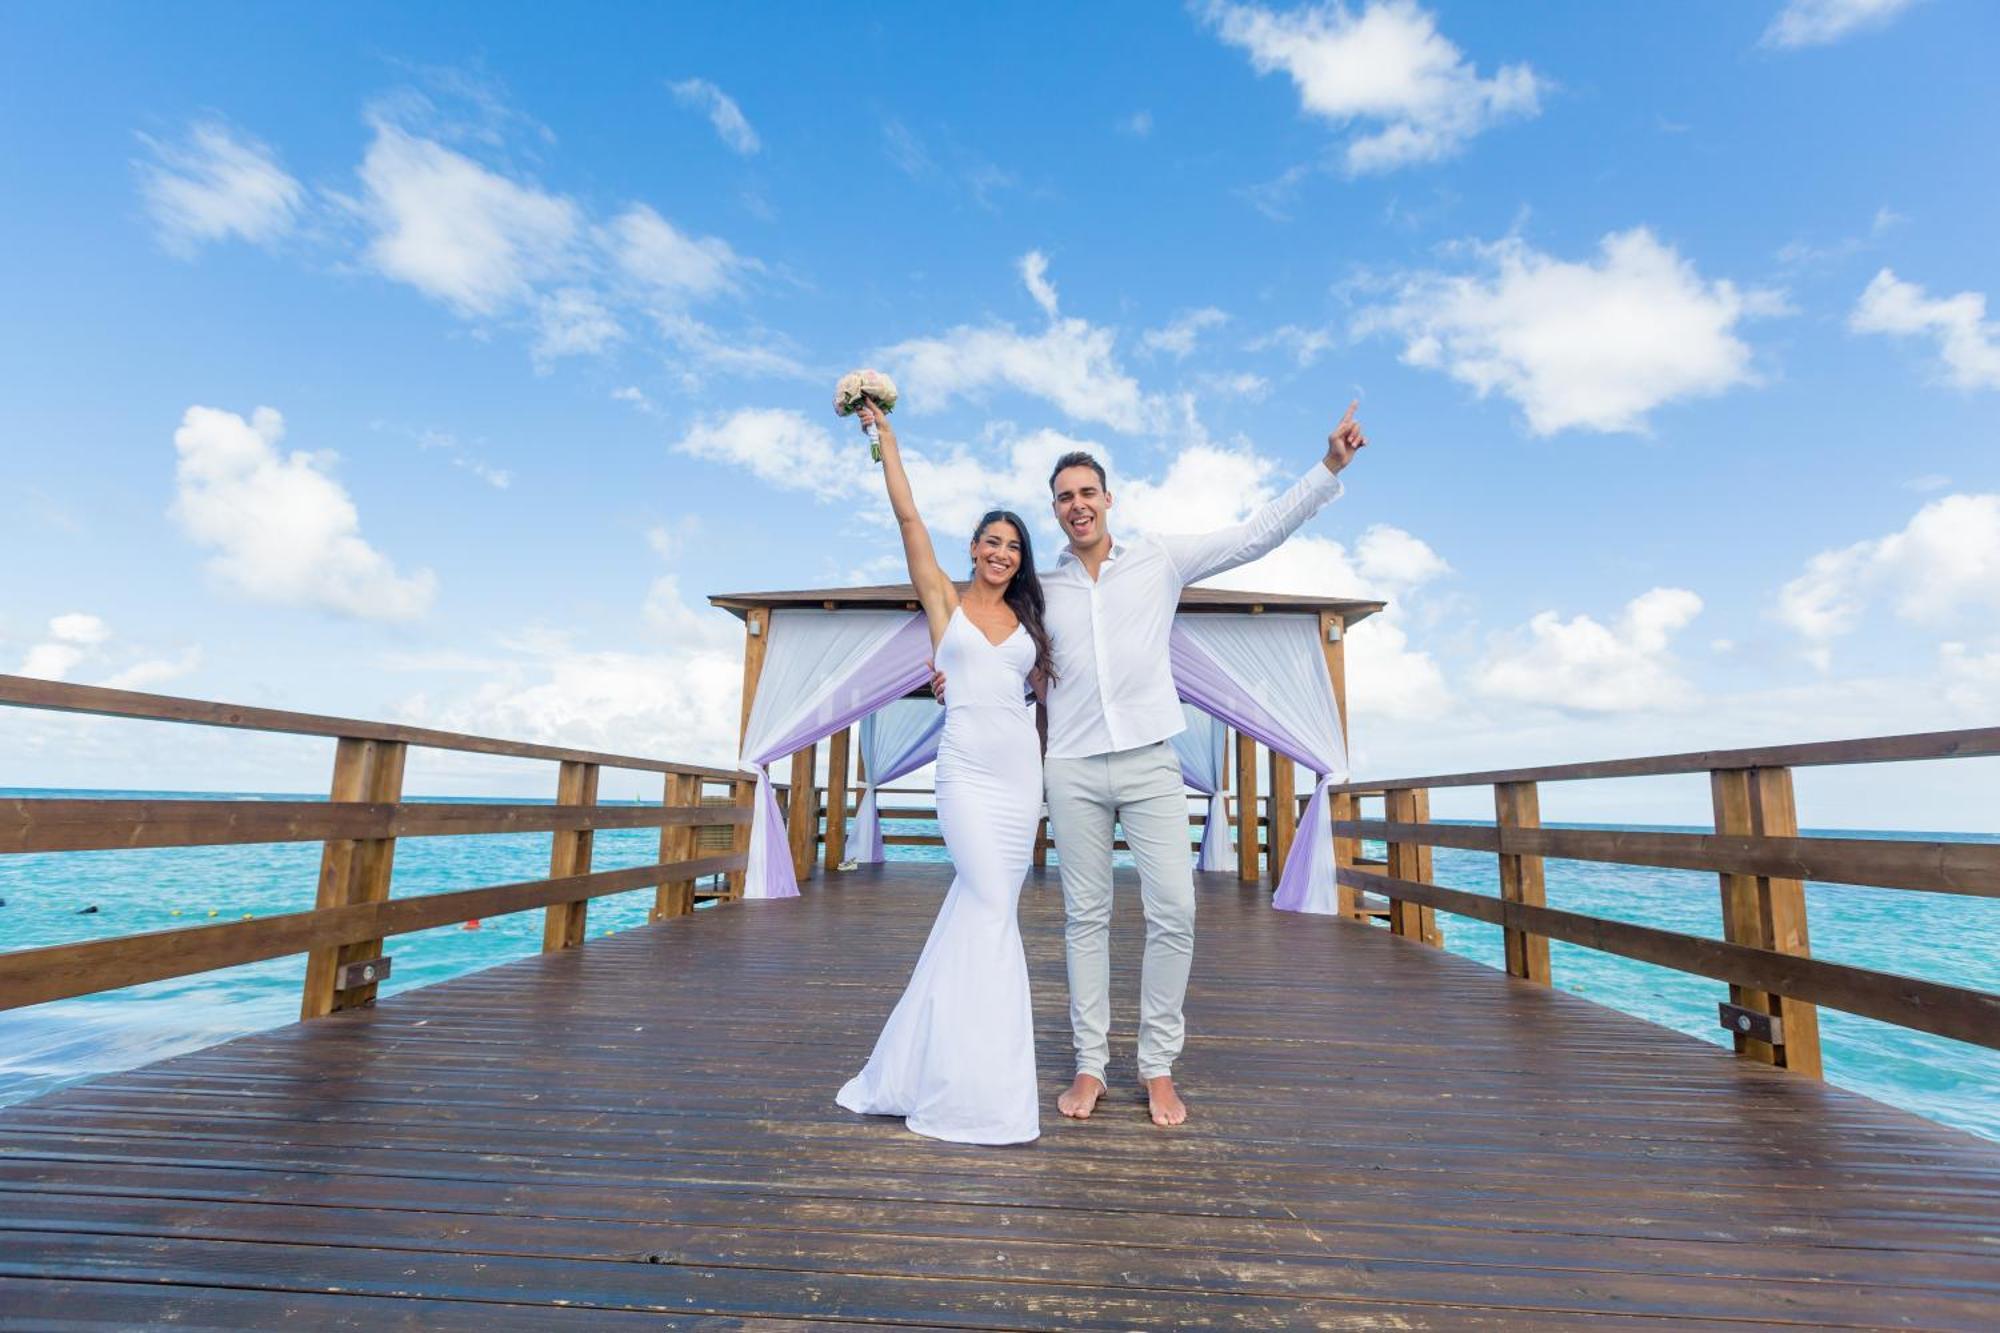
<point x="703" y="820"/>
<point x="896" y="804"/>
<point x="1776" y="986"/>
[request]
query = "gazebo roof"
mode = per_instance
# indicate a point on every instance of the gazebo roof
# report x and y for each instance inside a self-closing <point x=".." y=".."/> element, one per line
<point x="895" y="596"/>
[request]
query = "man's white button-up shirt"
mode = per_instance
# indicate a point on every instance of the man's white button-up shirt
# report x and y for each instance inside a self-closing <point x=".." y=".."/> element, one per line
<point x="1114" y="688"/>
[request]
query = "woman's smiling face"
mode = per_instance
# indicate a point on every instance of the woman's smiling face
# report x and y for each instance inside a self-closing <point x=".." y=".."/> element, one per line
<point x="996" y="554"/>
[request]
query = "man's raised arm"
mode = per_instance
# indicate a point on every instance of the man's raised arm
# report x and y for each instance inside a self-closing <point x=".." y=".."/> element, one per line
<point x="1199" y="555"/>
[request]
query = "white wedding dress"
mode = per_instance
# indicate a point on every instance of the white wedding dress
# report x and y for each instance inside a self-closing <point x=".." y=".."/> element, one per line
<point x="957" y="1057"/>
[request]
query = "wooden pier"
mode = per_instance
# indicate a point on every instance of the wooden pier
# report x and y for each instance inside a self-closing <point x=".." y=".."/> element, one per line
<point x="642" y="1132"/>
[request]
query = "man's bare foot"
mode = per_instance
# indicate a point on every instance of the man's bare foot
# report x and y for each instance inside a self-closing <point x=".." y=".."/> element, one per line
<point x="1080" y="1099"/>
<point x="1165" y="1104"/>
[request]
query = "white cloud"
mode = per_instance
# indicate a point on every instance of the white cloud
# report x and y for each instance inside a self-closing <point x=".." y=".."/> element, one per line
<point x="1582" y="665"/>
<point x="573" y="321"/>
<point x="682" y="702"/>
<point x="1071" y="363"/>
<point x="1208" y="486"/>
<point x="1971" y="680"/>
<point x="1593" y="345"/>
<point x="1967" y="342"/>
<point x="1387" y="66"/>
<point x="637" y="397"/>
<point x="1817" y="22"/>
<point x="1304" y="345"/>
<point x="1237" y="384"/>
<point x="668" y="262"/>
<point x="215" y="186"/>
<point x="752" y="354"/>
<point x="779" y="446"/>
<point x="722" y="113"/>
<point x="282" y="529"/>
<point x="70" y="639"/>
<point x="1179" y="336"/>
<point x="77" y="637"/>
<point x="153" y="671"/>
<point x="456" y="231"/>
<point x="1139" y="124"/>
<point x="1945" y="559"/>
<point x="1035" y="273"/>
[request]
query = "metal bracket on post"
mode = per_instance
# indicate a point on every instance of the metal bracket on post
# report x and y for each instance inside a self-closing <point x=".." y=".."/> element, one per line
<point x="364" y="973"/>
<point x="1749" y="1023"/>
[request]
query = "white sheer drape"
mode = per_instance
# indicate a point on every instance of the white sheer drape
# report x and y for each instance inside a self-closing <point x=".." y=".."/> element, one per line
<point x="1202" y="752"/>
<point x="822" y="669"/>
<point x="896" y="741"/>
<point x="1266" y="675"/>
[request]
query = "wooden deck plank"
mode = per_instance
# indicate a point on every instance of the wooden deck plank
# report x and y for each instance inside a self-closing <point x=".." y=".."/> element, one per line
<point x="1384" y="1136"/>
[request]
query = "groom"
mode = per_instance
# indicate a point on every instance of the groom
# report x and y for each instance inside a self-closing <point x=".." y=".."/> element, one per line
<point x="1111" y="713"/>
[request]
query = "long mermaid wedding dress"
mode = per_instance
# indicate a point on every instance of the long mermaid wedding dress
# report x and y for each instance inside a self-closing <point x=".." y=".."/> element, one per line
<point x="957" y="1057"/>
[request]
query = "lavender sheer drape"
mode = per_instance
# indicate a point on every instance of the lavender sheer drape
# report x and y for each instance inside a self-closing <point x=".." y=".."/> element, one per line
<point x="822" y="670"/>
<point x="896" y="741"/>
<point x="1201" y="750"/>
<point x="1266" y="676"/>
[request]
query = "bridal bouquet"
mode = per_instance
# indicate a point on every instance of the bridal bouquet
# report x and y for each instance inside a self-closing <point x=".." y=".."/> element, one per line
<point x="865" y="386"/>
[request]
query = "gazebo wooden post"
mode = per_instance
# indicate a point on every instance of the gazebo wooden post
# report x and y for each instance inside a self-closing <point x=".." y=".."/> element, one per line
<point x="1248" y="845"/>
<point x="1284" y="811"/>
<point x="756" y="638"/>
<point x="802" y="814"/>
<point x="1346" y="851"/>
<point x="836" y="796"/>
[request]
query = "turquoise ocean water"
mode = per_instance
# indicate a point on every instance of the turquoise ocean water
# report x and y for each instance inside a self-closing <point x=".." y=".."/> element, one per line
<point x="1937" y="937"/>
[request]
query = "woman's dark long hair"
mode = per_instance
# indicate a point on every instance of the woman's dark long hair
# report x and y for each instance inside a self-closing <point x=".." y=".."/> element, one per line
<point x="1024" y="592"/>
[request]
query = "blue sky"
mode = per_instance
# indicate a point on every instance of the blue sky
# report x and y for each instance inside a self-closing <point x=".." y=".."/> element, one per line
<point x="1668" y="325"/>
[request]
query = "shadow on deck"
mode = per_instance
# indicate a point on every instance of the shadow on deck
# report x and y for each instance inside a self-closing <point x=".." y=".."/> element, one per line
<point x="643" y="1131"/>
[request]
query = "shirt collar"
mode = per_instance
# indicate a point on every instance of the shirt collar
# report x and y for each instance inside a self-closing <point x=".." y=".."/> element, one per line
<point x="1069" y="556"/>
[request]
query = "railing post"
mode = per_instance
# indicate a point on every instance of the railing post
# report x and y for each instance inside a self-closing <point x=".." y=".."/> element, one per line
<point x="1346" y="851"/>
<point x="1411" y="861"/>
<point x="802" y="816"/>
<point x="1284" y="812"/>
<point x="1042" y="843"/>
<point x="1247" y="840"/>
<point x="742" y="793"/>
<point x="353" y="870"/>
<point x="1518" y="805"/>
<point x="1766" y="913"/>
<point x="836" y="797"/>
<point x="569" y="854"/>
<point x="675" y="897"/>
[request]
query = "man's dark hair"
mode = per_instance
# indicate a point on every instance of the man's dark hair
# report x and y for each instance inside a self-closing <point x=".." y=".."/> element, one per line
<point x="1078" y="458"/>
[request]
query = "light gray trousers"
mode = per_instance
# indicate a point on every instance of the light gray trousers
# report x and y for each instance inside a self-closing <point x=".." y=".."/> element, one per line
<point x="1142" y="790"/>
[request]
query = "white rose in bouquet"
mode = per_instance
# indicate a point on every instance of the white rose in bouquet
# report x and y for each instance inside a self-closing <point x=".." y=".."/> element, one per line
<point x="865" y="386"/>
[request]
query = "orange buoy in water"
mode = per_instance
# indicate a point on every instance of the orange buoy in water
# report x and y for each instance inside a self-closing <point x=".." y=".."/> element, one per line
<point x="471" y="925"/>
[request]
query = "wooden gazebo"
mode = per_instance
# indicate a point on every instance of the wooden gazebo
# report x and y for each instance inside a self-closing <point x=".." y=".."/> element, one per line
<point x="1271" y="831"/>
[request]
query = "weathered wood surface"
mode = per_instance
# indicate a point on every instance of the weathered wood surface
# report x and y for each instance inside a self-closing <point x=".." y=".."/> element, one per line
<point x="63" y="697"/>
<point x="1959" y="1012"/>
<point x="1964" y="744"/>
<point x="641" y="1131"/>
<point x="1971" y="868"/>
<point x="62" y="824"/>
<point x="60" y="971"/>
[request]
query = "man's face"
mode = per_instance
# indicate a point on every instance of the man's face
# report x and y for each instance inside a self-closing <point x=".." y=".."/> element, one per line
<point x="1080" y="504"/>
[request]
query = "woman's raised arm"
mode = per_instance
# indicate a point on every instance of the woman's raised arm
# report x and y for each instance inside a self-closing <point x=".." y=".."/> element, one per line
<point x="935" y="591"/>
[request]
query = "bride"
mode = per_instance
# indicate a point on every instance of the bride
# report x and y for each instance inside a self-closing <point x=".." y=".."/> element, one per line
<point x="957" y="1057"/>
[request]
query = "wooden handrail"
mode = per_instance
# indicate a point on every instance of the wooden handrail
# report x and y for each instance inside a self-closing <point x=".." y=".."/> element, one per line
<point x="358" y="827"/>
<point x="29" y="824"/>
<point x="1969" y="868"/>
<point x="1928" y="1006"/>
<point x="60" y="971"/>
<point x="1869" y="750"/>
<point x="61" y="697"/>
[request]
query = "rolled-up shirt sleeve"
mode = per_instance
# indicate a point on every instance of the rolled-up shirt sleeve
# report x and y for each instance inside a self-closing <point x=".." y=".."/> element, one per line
<point x="1199" y="555"/>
